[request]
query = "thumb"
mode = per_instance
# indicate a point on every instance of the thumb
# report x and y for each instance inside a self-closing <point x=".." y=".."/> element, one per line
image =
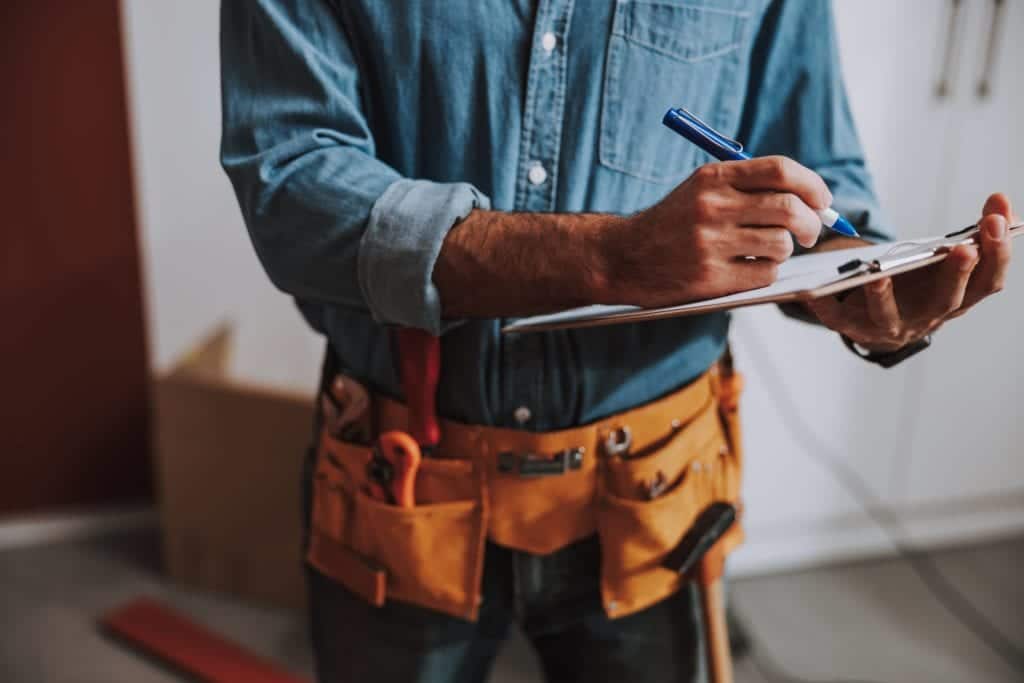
<point x="998" y="203"/>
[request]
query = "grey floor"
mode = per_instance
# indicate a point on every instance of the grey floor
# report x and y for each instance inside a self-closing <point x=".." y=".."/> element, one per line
<point x="871" y="621"/>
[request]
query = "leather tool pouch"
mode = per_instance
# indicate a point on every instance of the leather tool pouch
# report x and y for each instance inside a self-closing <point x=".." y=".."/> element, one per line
<point x="432" y="554"/>
<point x="695" y="466"/>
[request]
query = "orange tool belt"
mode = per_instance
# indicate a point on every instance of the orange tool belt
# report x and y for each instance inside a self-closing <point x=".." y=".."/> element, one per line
<point x="535" y="492"/>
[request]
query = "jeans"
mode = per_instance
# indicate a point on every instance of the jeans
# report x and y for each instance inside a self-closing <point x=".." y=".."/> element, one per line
<point x="556" y="601"/>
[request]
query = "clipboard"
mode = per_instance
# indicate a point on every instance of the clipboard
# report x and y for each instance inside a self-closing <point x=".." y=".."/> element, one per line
<point x="801" y="278"/>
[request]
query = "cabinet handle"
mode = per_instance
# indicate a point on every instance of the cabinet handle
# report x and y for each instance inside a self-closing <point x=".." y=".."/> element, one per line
<point x="945" y="85"/>
<point x="995" y="32"/>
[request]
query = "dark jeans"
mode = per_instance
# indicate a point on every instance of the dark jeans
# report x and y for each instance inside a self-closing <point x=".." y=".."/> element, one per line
<point x="554" y="598"/>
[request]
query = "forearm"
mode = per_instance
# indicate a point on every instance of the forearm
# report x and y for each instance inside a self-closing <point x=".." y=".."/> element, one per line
<point x="497" y="264"/>
<point x="691" y="245"/>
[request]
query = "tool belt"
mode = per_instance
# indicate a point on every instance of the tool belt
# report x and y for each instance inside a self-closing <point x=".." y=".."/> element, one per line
<point x="638" y="479"/>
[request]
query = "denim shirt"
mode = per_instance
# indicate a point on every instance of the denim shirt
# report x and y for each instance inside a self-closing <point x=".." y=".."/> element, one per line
<point x="356" y="133"/>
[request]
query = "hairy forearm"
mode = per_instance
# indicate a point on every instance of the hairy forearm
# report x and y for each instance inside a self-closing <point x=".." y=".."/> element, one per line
<point x="691" y="245"/>
<point x="496" y="264"/>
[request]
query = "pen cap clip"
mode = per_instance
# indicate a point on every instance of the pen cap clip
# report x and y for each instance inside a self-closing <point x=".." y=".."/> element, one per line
<point x="698" y="126"/>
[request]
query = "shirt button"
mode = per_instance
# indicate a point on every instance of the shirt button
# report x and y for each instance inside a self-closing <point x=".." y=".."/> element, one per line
<point x="537" y="175"/>
<point x="548" y="42"/>
<point x="522" y="415"/>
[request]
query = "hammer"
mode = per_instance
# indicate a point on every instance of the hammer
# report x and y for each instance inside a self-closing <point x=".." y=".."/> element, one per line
<point x="699" y="554"/>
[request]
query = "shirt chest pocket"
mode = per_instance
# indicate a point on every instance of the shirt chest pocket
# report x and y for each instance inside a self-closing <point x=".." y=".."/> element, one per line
<point x="666" y="53"/>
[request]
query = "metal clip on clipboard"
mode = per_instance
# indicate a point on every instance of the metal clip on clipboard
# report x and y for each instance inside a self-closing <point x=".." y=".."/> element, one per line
<point x="914" y="252"/>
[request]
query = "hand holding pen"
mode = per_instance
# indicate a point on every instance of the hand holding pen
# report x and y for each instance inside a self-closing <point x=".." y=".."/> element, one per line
<point x="724" y="229"/>
<point x="726" y="149"/>
<point x="892" y="314"/>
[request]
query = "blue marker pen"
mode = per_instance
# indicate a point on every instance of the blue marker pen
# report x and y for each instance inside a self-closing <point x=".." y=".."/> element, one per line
<point x="724" y="149"/>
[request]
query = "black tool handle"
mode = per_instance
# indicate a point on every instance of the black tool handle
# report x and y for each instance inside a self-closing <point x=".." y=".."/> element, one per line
<point x="710" y="526"/>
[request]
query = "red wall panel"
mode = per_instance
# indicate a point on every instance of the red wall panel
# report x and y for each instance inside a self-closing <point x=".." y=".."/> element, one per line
<point x="74" y="406"/>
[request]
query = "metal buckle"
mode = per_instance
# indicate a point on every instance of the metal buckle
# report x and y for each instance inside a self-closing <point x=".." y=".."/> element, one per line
<point x="533" y="465"/>
<point x="618" y="441"/>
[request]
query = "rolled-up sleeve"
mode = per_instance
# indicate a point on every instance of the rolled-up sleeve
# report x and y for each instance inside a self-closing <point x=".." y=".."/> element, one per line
<point x="401" y="244"/>
<point x="797" y="106"/>
<point x="330" y="222"/>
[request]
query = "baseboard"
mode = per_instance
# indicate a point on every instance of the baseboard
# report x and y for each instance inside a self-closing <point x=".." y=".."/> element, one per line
<point x="856" y="537"/>
<point x="71" y="525"/>
<point x="768" y="549"/>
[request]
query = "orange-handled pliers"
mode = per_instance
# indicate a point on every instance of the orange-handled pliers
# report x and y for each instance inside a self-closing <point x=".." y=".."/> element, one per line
<point x="391" y="469"/>
<point x="396" y="458"/>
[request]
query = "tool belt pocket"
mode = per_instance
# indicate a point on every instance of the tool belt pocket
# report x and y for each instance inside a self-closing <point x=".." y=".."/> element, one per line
<point x="648" y="500"/>
<point x="430" y="554"/>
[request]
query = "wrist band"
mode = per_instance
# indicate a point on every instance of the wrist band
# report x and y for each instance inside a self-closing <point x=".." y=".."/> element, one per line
<point x="887" y="359"/>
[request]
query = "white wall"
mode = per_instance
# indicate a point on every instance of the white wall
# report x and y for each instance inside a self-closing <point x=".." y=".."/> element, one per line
<point x="199" y="267"/>
<point x="939" y="438"/>
<point x="953" y="470"/>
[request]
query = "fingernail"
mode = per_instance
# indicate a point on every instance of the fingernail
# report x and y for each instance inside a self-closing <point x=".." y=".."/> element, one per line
<point x="997" y="227"/>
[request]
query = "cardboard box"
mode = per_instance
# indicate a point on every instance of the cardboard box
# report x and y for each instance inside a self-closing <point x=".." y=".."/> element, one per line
<point x="228" y="468"/>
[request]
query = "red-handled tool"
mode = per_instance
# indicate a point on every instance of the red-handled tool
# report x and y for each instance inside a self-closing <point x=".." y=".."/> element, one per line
<point x="419" y="360"/>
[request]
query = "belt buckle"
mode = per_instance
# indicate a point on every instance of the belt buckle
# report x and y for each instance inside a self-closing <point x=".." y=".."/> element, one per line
<point x="534" y="465"/>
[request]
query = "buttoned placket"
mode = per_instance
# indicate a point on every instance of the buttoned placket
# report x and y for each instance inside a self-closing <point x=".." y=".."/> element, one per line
<point x="537" y="183"/>
<point x="543" y="110"/>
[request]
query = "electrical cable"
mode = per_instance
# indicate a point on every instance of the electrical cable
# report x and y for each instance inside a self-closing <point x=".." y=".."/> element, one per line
<point x="941" y="588"/>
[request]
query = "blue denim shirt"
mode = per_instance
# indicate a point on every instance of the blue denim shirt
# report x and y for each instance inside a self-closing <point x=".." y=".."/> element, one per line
<point x="356" y="133"/>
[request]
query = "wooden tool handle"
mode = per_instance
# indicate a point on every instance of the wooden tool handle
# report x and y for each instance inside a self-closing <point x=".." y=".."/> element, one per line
<point x="712" y="607"/>
<point x="716" y="633"/>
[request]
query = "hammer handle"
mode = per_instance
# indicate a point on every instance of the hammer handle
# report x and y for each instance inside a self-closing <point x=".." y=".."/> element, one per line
<point x="419" y="358"/>
<point x="716" y="632"/>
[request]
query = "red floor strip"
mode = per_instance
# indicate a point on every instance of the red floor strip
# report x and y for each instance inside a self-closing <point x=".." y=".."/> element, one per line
<point x="188" y="647"/>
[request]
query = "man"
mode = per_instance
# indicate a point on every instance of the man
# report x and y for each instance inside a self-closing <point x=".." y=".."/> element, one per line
<point x="445" y="165"/>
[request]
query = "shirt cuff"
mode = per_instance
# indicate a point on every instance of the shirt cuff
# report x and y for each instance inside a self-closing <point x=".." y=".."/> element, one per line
<point x="397" y="253"/>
